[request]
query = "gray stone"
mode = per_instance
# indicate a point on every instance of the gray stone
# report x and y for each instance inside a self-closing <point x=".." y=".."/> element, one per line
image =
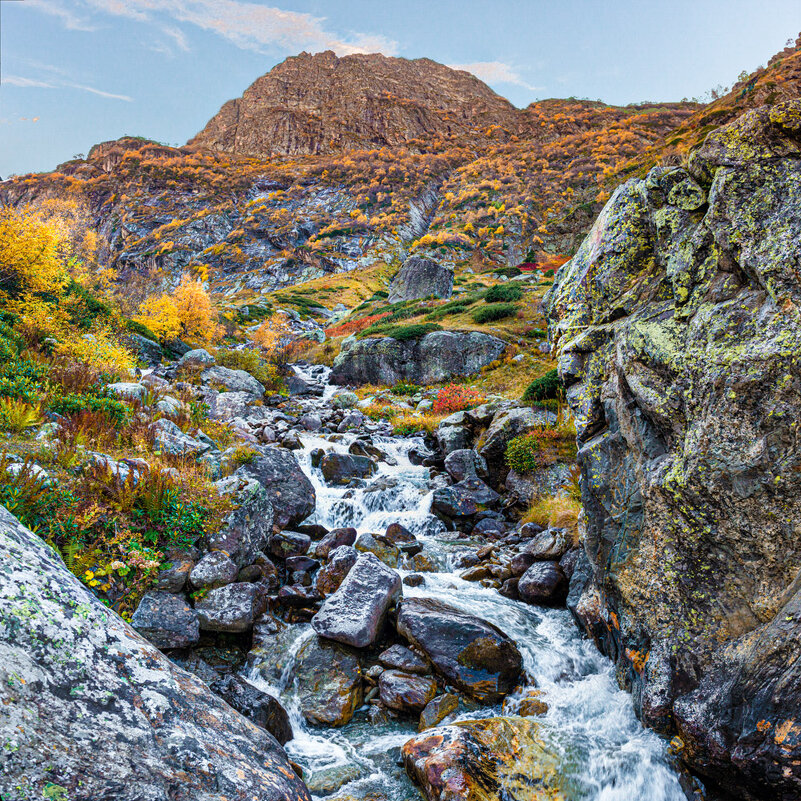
<point x="330" y="576"/>
<point x="246" y="530"/>
<point x="406" y="692"/>
<point x="341" y="468"/>
<point x="199" y="357"/>
<point x="435" y="357"/>
<point x="215" y="569"/>
<point x="170" y="439"/>
<point x="543" y="583"/>
<point x="232" y="380"/>
<point x="355" y="613"/>
<point x="228" y="609"/>
<point x="128" y="391"/>
<point x="166" y="620"/>
<point x="420" y="278"/>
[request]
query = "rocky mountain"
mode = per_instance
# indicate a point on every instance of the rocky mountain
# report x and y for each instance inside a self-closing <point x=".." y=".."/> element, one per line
<point x="677" y="329"/>
<point x="428" y="161"/>
<point x="312" y="104"/>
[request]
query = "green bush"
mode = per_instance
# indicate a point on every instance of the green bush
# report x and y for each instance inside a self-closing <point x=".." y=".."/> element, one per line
<point x="503" y="292"/>
<point x="137" y="328"/>
<point x="404" y="332"/>
<point x="522" y="454"/>
<point x="546" y="387"/>
<point x="509" y="272"/>
<point x="402" y="388"/>
<point x="446" y="311"/>
<point x="73" y="403"/>
<point x="494" y="311"/>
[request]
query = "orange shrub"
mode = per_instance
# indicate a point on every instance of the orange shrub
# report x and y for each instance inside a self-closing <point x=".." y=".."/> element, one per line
<point x="455" y="397"/>
<point x="354" y="326"/>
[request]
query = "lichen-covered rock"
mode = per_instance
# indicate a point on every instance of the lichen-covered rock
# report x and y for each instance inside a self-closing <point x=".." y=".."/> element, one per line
<point x="355" y="613"/>
<point x="470" y="653"/>
<point x="232" y="380"/>
<point x="289" y="490"/>
<point x="437" y="710"/>
<point x="169" y="438"/>
<point x="434" y="357"/>
<point x="246" y="530"/>
<point x="330" y="576"/>
<point x="333" y="540"/>
<point x="228" y="609"/>
<point x="494" y="759"/>
<point x="91" y="710"/>
<point x="215" y="569"/>
<point x="420" y="278"/>
<point x="166" y="620"/>
<point x="678" y="334"/>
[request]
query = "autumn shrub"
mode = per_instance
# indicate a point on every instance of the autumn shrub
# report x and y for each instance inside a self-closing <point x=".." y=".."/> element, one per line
<point x="354" y="326"/>
<point x="101" y="350"/>
<point x="503" y="292"/>
<point x="115" y="411"/>
<point x="407" y="423"/>
<point x="248" y="359"/>
<point x="542" y="446"/>
<point x="493" y="311"/>
<point x="187" y="313"/>
<point x="456" y="397"/>
<point x="545" y="387"/>
<point x="555" y="511"/>
<point x="17" y="415"/>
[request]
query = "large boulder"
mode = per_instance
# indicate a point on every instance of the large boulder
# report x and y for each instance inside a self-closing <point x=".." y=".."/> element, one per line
<point x="245" y="530"/>
<point x="676" y="327"/>
<point x="435" y="357"/>
<point x="494" y="759"/>
<point x="420" y="278"/>
<point x="232" y="380"/>
<point x="288" y="490"/>
<point x="470" y="653"/>
<point x="92" y="710"/>
<point x="355" y="613"/>
<point x="341" y="468"/>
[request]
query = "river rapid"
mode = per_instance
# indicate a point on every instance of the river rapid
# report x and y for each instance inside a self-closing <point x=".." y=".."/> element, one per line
<point x="608" y="755"/>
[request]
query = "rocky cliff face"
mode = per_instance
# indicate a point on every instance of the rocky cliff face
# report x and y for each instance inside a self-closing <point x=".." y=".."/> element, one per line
<point x="677" y="329"/>
<point x="311" y="104"/>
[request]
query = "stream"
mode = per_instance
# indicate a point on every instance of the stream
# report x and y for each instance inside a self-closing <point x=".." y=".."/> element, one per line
<point x="608" y="755"/>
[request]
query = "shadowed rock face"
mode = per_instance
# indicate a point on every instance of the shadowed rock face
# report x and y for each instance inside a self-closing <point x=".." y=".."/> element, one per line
<point x="677" y="330"/>
<point x="91" y="707"/>
<point x="435" y="357"/>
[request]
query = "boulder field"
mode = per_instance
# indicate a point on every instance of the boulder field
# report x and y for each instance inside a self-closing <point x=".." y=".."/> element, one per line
<point x="677" y="331"/>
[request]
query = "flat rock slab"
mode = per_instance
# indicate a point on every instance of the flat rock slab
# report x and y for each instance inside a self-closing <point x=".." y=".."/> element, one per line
<point x="92" y="710"/>
<point x="355" y="613"/>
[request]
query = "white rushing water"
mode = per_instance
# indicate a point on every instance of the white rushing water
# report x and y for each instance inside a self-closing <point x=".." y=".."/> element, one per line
<point x="609" y="756"/>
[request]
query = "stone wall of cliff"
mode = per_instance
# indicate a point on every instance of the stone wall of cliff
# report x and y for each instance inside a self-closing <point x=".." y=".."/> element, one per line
<point x="677" y="331"/>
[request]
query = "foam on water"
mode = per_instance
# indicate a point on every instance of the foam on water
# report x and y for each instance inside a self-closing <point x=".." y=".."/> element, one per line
<point x="609" y="756"/>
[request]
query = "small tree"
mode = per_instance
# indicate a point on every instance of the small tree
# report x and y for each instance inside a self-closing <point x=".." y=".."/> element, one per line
<point x="187" y="313"/>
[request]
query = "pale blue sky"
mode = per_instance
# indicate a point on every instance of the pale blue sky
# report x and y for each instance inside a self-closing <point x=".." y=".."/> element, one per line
<point x="91" y="70"/>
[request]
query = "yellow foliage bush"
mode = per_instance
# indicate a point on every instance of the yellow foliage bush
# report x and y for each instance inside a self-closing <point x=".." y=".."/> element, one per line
<point x="100" y="349"/>
<point x="186" y="313"/>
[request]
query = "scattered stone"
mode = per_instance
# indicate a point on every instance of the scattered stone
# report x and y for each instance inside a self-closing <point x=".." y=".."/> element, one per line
<point x="543" y="583"/>
<point x="128" y="391"/>
<point x="341" y="468"/>
<point x="199" y="357"/>
<point x="333" y="539"/>
<point x="215" y="569"/>
<point x="437" y="710"/>
<point x="289" y="543"/>
<point x="229" y="609"/>
<point x="401" y="658"/>
<point x="406" y="692"/>
<point x="166" y="620"/>
<point x="376" y="544"/>
<point x="330" y="577"/>
<point x="355" y="613"/>
<point x="468" y="652"/>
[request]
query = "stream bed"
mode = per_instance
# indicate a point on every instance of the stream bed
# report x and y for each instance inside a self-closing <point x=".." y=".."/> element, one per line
<point x="607" y="754"/>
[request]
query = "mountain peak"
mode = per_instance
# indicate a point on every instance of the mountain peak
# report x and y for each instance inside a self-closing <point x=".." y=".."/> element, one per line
<point x="324" y="103"/>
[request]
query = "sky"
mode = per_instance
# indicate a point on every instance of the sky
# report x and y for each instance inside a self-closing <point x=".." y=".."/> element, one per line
<point x="78" y="72"/>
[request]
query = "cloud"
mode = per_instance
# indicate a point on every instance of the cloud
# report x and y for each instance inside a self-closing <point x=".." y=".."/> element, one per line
<point x="249" y="26"/>
<point x="57" y="9"/>
<point x="495" y="72"/>
<point x="33" y="83"/>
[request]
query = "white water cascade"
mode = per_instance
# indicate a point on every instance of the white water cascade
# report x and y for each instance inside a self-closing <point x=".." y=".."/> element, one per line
<point x="608" y="755"/>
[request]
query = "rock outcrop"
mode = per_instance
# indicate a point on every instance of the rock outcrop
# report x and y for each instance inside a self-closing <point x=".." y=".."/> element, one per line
<point x="679" y="340"/>
<point x="91" y="710"/>
<point x="420" y="278"/>
<point x="435" y="357"/>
